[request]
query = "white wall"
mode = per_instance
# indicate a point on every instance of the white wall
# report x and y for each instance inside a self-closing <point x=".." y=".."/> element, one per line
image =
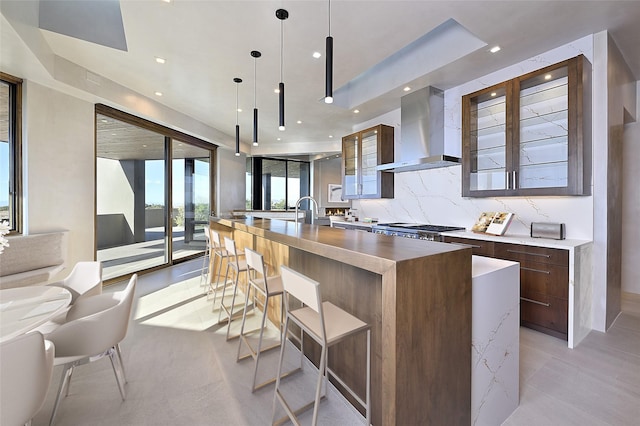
<point x="631" y="204"/>
<point x="58" y="139"/>
<point x="434" y="196"/>
<point x="231" y="187"/>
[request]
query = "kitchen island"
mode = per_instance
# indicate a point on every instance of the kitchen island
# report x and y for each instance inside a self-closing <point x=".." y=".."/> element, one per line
<point x="416" y="296"/>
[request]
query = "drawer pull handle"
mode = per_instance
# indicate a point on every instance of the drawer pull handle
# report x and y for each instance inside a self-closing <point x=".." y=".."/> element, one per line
<point x="530" y="254"/>
<point x="467" y="245"/>
<point x="535" y="270"/>
<point x="535" y="301"/>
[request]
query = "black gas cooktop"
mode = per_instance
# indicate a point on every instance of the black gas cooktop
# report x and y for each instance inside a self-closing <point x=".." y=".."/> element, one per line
<point x="415" y="227"/>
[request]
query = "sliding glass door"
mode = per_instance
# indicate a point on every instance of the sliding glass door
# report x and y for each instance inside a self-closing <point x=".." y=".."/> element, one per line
<point x="140" y="173"/>
<point x="190" y="198"/>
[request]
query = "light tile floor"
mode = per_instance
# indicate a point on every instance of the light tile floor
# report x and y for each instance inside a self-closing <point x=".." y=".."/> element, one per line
<point x="181" y="371"/>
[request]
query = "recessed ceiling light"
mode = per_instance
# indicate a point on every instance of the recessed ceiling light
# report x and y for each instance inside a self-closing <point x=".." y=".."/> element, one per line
<point x="144" y="146"/>
<point x="407" y="88"/>
<point x="167" y="1"/>
<point x="494" y="49"/>
<point x="299" y="122"/>
<point x="158" y="93"/>
<point x="160" y="60"/>
<point x="330" y="136"/>
<point x="547" y="77"/>
<point x="317" y="55"/>
<point x="493" y="93"/>
<point x="104" y="120"/>
<point x="276" y="90"/>
<point x="113" y="134"/>
<point x="277" y="139"/>
<point x="239" y="109"/>
<point x="355" y="111"/>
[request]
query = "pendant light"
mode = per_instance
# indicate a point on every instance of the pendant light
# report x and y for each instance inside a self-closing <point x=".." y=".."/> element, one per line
<point x="237" y="81"/>
<point x="255" y="55"/>
<point x="281" y="14"/>
<point x="328" y="87"/>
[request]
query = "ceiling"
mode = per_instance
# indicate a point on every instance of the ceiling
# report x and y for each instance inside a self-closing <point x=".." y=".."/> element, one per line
<point x="207" y="43"/>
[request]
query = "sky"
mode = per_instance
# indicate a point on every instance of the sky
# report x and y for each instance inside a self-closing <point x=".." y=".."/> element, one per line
<point x="154" y="182"/>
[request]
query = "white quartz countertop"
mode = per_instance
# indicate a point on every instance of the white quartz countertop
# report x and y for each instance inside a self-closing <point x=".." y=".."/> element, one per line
<point x="481" y="265"/>
<point x="519" y="239"/>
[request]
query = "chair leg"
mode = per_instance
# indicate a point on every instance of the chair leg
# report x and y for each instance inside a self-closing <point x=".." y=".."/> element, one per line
<point x="119" y="352"/>
<point x="66" y="373"/>
<point x="233" y="302"/>
<point x="204" y="275"/>
<point x="224" y="288"/>
<point x="264" y="318"/>
<point x="244" y="318"/>
<point x="69" y="380"/>
<point x="322" y="376"/>
<point x="276" y="393"/>
<point x="113" y="356"/>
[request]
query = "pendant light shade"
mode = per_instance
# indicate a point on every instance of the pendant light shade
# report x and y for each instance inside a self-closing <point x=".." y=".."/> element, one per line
<point x="237" y="81"/>
<point x="328" y="89"/>
<point x="255" y="55"/>
<point x="281" y="14"/>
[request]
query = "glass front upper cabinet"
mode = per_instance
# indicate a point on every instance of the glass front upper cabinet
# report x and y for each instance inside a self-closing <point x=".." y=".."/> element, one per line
<point x="530" y="135"/>
<point x="362" y="152"/>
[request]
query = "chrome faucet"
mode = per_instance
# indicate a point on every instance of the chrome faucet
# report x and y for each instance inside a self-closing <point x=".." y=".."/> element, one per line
<point x="308" y="197"/>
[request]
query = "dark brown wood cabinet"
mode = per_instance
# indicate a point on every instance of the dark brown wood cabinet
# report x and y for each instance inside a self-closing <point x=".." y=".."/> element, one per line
<point x="544" y="282"/>
<point x="362" y="152"/>
<point x="530" y="135"/>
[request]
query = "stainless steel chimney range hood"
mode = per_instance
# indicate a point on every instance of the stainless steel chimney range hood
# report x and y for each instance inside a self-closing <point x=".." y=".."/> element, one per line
<point x="422" y="133"/>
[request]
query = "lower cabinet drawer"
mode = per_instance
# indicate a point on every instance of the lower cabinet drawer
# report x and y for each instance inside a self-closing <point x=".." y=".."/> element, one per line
<point x="541" y="278"/>
<point x="479" y="247"/>
<point x="546" y="314"/>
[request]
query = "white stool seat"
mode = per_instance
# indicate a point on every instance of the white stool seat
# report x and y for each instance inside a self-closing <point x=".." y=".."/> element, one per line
<point x="341" y="324"/>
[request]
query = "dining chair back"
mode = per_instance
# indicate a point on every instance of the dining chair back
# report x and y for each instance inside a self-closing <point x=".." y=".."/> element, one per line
<point x="85" y="280"/>
<point x="25" y="375"/>
<point x="94" y="329"/>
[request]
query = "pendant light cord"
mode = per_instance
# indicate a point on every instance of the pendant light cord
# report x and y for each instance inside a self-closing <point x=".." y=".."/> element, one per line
<point x="329" y="18"/>
<point x="281" y="47"/>
<point x="236" y="104"/>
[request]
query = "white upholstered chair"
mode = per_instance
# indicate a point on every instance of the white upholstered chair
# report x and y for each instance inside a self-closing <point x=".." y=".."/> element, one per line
<point x="85" y="280"/>
<point x="25" y="374"/>
<point x="94" y="328"/>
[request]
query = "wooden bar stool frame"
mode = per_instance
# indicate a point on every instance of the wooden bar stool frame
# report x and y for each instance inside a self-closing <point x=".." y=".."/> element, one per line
<point x="311" y="319"/>
<point x="267" y="287"/>
<point x="237" y="265"/>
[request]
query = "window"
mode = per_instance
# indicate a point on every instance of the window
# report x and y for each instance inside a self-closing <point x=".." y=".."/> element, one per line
<point x="153" y="193"/>
<point x="276" y="184"/>
<point x="11" y="151"/>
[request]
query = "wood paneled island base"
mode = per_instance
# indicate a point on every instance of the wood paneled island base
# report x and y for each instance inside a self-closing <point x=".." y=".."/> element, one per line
<point x="415" y="294"/>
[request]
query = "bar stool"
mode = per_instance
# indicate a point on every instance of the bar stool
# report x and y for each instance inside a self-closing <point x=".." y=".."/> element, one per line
<point x="267" y="287"/>
<point x="237" y="265"/>
<point x="204" y="274"/>
<point x="218" y="251"/>
<point x="326" y="324"/>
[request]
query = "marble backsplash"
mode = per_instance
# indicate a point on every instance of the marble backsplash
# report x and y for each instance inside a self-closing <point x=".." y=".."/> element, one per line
<point x="434" y="196"/>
